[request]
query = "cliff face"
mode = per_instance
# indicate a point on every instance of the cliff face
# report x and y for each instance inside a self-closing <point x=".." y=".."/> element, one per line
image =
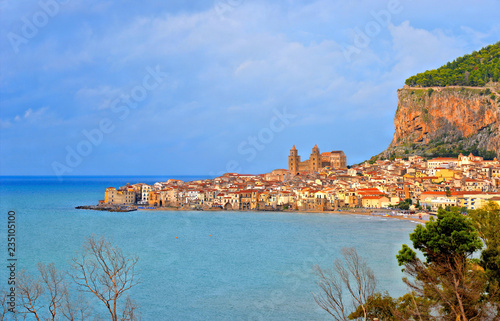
<point x="434" y="121"/>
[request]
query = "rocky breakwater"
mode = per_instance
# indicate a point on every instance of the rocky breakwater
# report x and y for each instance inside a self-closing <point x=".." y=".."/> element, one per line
<point x="108" y="208"/>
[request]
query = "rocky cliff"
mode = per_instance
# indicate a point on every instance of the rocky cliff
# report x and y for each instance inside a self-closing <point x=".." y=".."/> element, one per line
<point x="442" y="121"/>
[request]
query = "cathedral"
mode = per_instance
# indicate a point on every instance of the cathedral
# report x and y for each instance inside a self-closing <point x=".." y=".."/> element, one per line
<point x="334" y="159"/>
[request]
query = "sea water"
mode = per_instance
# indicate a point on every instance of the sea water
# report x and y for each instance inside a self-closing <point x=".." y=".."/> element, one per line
<point x="199" y="265"/>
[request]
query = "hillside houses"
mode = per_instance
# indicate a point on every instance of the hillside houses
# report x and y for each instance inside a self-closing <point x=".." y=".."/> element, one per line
<point x="465" y="181"/>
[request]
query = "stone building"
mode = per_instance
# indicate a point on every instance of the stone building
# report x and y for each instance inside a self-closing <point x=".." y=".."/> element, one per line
<point x="125" y="196"/>
<point x="317" y="161"/>
<point x="293" y="161"/>
<point x="335" y="159"/>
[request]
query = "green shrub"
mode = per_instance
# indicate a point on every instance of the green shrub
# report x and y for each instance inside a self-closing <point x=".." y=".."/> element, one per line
<point x="475" y="69"/>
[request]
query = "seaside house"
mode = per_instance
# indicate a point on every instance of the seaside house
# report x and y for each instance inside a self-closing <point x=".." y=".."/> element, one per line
<point x="144" y="194"/>
<point x="475" y="200"/>
<point x="438" y="199"/>
<point x="154" y="198"/>
<point x="375" y="201"/>
<point x="207" y="197"/>
<point x="124" y="196"/>
<point x="245" y="199"/>
<point x="285" y="198"/>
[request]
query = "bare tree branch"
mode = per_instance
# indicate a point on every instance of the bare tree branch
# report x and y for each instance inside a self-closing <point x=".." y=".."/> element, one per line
<point x="106" y="272"/>
<point x="29" y="291"/>
<point x="75" y="308"/>
<point x="4" y="304"/>
<point x="130" y="311"/>
<point x="53" y="281"/>
<point x="351" y="273"/>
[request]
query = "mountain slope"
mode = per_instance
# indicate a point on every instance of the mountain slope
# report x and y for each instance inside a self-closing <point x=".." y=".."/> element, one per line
<point x="447" y="120"/>
<point x="475" y="69"/>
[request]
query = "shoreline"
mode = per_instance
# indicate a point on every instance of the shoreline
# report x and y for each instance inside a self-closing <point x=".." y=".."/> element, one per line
<point x="418" y="218"/>
<point x="405" y="217"/>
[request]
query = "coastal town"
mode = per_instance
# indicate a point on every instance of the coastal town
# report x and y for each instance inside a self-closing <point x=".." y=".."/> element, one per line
<point x="324" y="182"/>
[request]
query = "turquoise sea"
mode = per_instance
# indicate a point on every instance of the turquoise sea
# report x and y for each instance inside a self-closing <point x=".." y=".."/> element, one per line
<point x="223" y="265"/>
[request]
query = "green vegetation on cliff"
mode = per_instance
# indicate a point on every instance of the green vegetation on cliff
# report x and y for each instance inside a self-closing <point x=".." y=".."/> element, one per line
<point x="475" y="69"/>
<point x="434" y="149"/>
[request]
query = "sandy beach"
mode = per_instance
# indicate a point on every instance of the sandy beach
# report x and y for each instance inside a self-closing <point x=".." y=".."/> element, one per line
<point x="420" y="218"/>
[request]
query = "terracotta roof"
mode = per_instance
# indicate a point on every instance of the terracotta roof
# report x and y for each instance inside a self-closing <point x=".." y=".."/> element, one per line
<point x="372" y="197"/>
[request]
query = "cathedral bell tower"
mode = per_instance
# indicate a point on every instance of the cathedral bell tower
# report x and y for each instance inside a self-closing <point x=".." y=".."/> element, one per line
<point x="315" y="159"/>
<point x="293" y="161"/>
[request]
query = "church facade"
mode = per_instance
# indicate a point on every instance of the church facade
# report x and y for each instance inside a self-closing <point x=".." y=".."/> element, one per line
<point x="334" y="160"/>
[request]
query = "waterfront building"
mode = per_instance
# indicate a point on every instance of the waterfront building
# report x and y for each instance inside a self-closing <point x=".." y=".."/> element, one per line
<point x="154" y="199"/>
<point x="436" y="199"/>
<point x="124" y="196"/>
<point x="375" y="201"/>
<point x="144" y="193"/>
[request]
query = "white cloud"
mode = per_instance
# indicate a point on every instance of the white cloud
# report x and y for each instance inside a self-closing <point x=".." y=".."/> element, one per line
<point x="245" y="65"/>
<point x="29" y="115"/>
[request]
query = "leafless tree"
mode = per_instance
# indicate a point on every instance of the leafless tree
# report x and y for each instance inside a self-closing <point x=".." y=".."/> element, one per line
<point x="3" y="303"/>
<point x="42" y="296"/>
<point x="349" y="277"/>
<point x="30" y="292"/>
<point x="75" y="308"/>
<point x="106" y="272"/>
<point x="130" y="311"/>
<point x="53" y="282"/>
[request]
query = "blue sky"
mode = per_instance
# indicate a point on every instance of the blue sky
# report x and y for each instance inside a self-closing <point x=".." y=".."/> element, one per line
<point x="205" y="87"/>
